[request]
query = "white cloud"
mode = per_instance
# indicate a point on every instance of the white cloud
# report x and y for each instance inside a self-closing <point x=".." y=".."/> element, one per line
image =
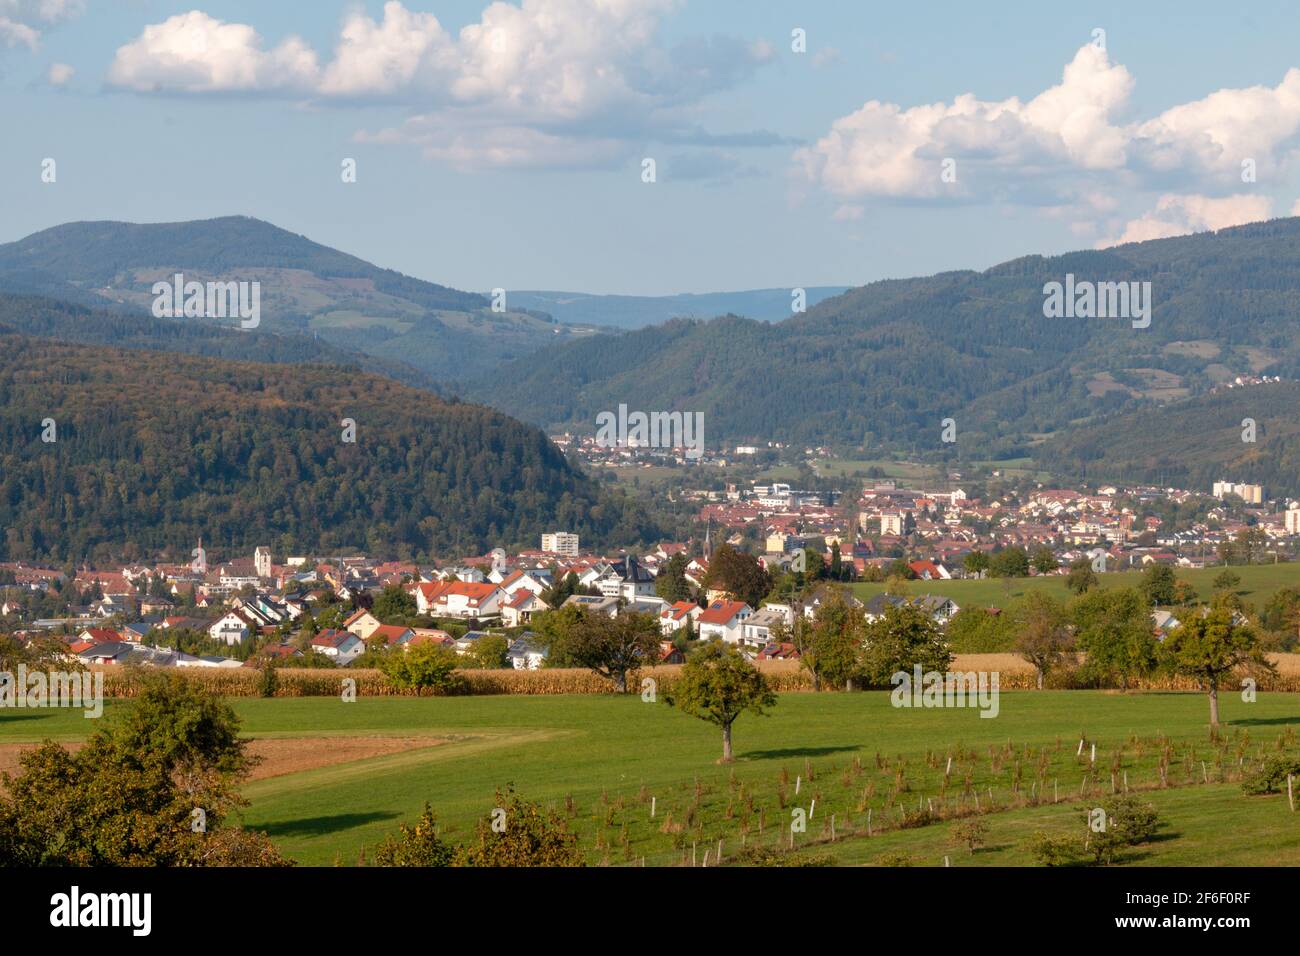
<point x="194" y="53"/>
<point x="885" y="150"/>
<point x="59" y="74"/>
<point x="1178" y="215"/>
<point x="542" y="79"/>
<point x="1068" y="148"/>
<point x="23" y="21"/>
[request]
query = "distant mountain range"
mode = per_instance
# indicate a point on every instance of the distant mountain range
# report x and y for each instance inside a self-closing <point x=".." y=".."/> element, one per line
<point x="306" y="288"/>
<point x="637" y="311"/>
<point x="880" y="367"/>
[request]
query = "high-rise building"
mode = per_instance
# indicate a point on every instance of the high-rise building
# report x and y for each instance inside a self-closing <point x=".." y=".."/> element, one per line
<point x="1251" y="494"/>
<point x="561" y="542"/>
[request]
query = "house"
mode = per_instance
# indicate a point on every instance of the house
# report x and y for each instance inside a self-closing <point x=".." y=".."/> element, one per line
<point x="462" y="599"/>
<point x="723" y="620"/>
<point x="670" y="653"/>
<point x="521" y="607"/>
<point x="826" y="593"/>
<point x="466" y="642"/>
<point x="525" y="654"/>
<point x="392" y="635"/>
<point x="940" y="609"/>
<point x="98" y="635"/>
<point x="594" y="603"/>
<point x="234" y="627"/>
<point x="362" y="624"/>
<point x="275" y="652"/>
<point x="428" y="635"/>
<point x="109" y="652"/>
<point x="340" y="646"/>
<point x="757" y="628"/>
<point x="627" y="579"/>
<point x="930" y="571"/>
<point x="674" y="618"/>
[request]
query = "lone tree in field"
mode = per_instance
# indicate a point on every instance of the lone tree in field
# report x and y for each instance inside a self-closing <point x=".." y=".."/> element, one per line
<point x="1044" y="636"/>
<point x="1209" y="647"/>
<point x="717" y="684"/>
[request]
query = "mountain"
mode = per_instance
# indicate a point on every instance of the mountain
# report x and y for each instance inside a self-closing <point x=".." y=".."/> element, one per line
<point x="1192" y="444"/>
<point x="153" y="450"/>
<point x="306" y="288"/>
<point x="881" y="366"/>
<point x="637" y="311"/>
<point x="69" y="322"/>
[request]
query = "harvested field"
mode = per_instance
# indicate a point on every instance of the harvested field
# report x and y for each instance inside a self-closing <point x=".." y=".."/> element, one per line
<point x="283" y="755"/>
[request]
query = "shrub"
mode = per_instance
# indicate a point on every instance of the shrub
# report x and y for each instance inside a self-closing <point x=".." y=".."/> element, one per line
<point x="1271" y="777"/>
<point x="424" y="667"/>
<point x="1050" y="850"/>
<point x="970" y="833"/>
<point x="419" y="845"/>
<point x="268" y="681"/>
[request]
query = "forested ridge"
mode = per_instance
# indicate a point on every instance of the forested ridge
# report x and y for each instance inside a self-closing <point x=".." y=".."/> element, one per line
<point x="882" y="365"/>
<point x="155" y="449"/>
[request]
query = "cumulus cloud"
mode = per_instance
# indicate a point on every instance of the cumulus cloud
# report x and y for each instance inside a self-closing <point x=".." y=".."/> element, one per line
<point x="885" y="150"/>
<point x="22" y="22"/>
<point x="1177" y="215"/>
<point x="195" y="53"/>
<point x="1067" y="148"/>
<point x="59" y="74"/>
<point x="542" y="79"/>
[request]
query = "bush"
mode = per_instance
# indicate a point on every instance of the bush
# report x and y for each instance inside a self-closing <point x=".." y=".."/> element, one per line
<point x="1050" y="850"/>
<point x="894" y="858"/>
<point x="419" y="845"/>
<point x="424" y="667"/>
<point x="1271" y="777"/>
<point x="970" y="833"/>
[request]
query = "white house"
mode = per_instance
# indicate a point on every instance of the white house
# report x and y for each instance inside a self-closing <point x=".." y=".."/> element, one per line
<point x="233" y="628"/>
<point x="724" y="620"/>
<point x="341" y="646"/>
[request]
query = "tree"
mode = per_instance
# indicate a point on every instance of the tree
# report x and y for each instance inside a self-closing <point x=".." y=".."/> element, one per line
<point x="1210" y="646"/>
<point x="671" y="583"/>
<point x="423" y="666"/>
<point x="739" y="575"/>
<point x="394" y="604"/>
<point x="1044" y="560"/>
<point x="1043" y="637"/>
<point x="717" y="684"/>
<point x="833" y="646"/>
<point x="1226" y="580"/>
<point x="613" y="647"/>
<point x="1009" y="563"/>
<point x="1113" y="627"/>
<point x="488" y="652"/>
<point x="129" y="797"/>
<point x="1159" y="585"/>
<point x="976" y="563"/>
<point x="1081" y="576"/>
<point x="902" y="638"/>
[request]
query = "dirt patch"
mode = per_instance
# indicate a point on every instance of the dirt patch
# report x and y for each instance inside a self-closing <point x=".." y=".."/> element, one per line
<point x="284" y="755"/>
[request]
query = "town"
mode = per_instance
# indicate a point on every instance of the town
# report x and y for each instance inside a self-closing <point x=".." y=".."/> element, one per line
<point x="353" y="609"/>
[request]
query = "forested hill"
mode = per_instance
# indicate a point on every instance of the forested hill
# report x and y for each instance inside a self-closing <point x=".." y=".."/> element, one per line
<point x="69" y="322"/>
<point x="1192" y="444"/>
<point x="153" y="450"/>
<point x="96" y="254"/>
<point x="884" y="364"/>
<point x="305" y="289"/>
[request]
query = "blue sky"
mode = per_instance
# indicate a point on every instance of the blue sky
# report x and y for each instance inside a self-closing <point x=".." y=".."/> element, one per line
<point x="502" y="145"/>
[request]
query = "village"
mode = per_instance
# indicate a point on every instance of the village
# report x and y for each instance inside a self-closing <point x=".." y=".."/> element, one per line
<point x="325" y="611"/>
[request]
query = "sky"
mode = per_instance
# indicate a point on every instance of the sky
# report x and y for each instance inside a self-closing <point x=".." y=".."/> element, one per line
<point x="505" y="145"/>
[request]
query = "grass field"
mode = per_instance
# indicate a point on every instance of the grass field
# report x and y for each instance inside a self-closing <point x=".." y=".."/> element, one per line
<point x="601" y="759"/>
<point x="1258" y="584"/>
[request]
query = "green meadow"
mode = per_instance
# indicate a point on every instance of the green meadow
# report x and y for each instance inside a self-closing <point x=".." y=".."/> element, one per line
<point x="603" y="761"/>
<point x="1258" y="583"/>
